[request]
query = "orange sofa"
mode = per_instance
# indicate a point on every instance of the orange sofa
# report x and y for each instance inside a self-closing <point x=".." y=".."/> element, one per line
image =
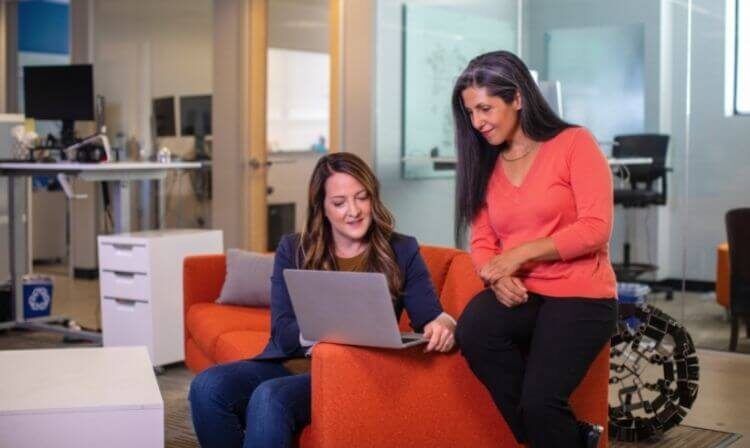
<point x="722" y="274"/>
<point x="367" y="397"/>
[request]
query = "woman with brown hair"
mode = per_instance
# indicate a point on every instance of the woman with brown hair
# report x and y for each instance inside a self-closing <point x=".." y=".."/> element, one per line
<point x="260" y="402"/>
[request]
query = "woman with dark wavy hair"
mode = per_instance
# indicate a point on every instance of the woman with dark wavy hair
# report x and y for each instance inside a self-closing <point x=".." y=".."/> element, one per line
<point x="537" y="194"/>
<point x="265" y="401"/>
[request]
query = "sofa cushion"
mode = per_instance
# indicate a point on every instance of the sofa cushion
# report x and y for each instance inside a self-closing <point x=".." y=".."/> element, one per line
<point x="248" y="279"/>
<point x="461" y="285"/>
<point x="438" y="260"/>
<point x="237" y="345"/>
<point x="207" y="321"/>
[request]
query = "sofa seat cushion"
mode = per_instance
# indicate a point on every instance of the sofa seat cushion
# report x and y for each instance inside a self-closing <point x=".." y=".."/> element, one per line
<point x="195" y="359"/>
<point x="237" y="345"/>
<point x="207" y="321"/>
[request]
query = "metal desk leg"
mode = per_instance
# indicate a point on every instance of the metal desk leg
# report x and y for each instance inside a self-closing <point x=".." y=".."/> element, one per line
<point x="160" y="191"/>
<point x="17" y="240"/>
<point x="121" y="205"/>
<point x="18" y="267"/>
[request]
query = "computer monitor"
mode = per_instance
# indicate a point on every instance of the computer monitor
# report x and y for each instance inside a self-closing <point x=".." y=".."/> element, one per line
<point x="195" y="115"/>
<point x="59" y="92"/>
<point x="164" y="116"/>
<point x="552" y="92"/>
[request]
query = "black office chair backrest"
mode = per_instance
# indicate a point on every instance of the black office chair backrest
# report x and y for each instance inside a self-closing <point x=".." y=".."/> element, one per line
<point x="643" y="145"/>
<point x="738" y="237"/>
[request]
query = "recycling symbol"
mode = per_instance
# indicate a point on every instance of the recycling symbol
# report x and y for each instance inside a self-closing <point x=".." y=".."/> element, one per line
<point x="39" y="299"/>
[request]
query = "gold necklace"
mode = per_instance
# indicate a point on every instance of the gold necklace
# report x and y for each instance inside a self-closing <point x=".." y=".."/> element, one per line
<point x="528" y="151"/>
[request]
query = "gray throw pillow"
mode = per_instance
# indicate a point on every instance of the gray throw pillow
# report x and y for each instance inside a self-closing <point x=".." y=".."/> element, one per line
<point x="248" y="280"/>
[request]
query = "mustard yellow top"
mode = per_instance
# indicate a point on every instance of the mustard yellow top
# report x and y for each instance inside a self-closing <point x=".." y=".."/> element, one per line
<point x="353" y="264"/>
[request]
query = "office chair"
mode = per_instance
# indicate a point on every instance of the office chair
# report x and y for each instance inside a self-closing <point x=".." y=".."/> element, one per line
<point x="738" y="237"/>
<point x="643" y="192"/>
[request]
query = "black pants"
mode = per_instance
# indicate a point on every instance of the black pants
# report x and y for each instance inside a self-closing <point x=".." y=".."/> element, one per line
<point x="531" y="357"/>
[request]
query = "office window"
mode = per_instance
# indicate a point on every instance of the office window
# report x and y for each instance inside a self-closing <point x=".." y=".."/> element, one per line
<point x="742" y="58"/>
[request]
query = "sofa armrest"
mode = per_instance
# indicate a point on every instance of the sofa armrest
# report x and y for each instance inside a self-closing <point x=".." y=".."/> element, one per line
<point x="202" y="278"/>
<point x="377" y="397"/>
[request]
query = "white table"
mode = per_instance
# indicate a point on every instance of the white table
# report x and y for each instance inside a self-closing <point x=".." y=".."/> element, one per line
<point x="624" y="161"/>
<point x="80" y="397"/>
<point x="118" y="173"/>
<point x="450" y="162"/>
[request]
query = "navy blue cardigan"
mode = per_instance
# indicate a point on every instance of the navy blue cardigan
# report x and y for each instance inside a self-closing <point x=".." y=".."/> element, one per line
<point x="419" y="296"/>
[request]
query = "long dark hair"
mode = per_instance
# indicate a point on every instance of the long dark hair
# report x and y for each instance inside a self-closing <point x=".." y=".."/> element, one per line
<point x="316" y="243"/>
<point x="503" y="74"/>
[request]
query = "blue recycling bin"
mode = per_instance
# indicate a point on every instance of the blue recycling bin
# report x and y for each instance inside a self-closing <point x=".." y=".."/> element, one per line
<point x="632" y="293"/>
<point x="37" y="296"/>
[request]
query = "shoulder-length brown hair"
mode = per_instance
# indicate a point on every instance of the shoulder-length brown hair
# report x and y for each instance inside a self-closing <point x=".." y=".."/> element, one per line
<point x="316" y="243"/>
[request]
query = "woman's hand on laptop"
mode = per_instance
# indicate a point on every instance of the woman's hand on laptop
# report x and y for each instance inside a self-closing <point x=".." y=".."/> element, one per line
<point x="439" y="332"/>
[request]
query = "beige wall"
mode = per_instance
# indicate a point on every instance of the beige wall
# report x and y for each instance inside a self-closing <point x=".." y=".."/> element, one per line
<point x="358" y="81"/>
<point x="145" y="49"/>
<point x="230" y="66"/>
<point x="298" y="24"/>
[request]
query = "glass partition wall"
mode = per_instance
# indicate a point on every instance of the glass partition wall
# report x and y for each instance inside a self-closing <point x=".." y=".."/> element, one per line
<point x="715" y="170"/>
<point x="674" y="69"/>
<point x="617" y="68"/>
<point x="673" y="72"/>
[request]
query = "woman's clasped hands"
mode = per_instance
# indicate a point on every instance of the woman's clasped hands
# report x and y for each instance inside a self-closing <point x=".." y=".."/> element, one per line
<point x="500" y="275"/>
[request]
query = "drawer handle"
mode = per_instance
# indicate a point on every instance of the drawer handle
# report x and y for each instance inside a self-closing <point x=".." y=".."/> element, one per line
<point x="125" y="303"/>
<point x="124" y="275"/>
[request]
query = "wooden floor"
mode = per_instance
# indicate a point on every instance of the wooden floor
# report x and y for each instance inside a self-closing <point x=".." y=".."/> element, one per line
<point x="684" y="436"/>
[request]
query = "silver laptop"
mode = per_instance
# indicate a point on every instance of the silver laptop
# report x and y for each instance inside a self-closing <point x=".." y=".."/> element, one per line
<point x="353" y="308"/>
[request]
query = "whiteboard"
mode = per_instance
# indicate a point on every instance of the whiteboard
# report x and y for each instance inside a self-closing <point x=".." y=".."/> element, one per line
<point x="438" y="44"/>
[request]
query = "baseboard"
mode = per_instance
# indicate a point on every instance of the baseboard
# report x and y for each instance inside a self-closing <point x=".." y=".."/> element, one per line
<point x="690" y="285"/>
<point x="47" y="261"/>
<point x="86" y="273"/>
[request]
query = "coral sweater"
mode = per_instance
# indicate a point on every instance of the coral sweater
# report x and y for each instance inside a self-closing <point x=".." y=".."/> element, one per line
<point x="566" y="196"/>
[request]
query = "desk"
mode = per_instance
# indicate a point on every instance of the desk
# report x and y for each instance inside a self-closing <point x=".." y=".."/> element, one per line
<point x="624" y="161"/>
<point x="449" y="163"/>
<point x="118" y="173"/>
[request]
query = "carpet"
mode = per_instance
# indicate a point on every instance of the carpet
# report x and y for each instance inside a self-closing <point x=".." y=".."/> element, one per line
<point x="174" y="382"/>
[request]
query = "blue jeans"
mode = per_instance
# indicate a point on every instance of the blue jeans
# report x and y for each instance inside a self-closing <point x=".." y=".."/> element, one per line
<point x="249" y="404"/>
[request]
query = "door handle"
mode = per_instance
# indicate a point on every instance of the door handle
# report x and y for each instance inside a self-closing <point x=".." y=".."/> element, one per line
<point x="257" y="164"/>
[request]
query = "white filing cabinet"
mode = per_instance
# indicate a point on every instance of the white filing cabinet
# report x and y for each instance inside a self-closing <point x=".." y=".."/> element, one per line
<point x="140" y="280"/>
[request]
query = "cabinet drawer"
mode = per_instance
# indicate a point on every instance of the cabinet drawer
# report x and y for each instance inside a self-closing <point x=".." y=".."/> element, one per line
<point x="123" y="257"/>
<point x="125" y="285"/>
<point x="127" y="322"/>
